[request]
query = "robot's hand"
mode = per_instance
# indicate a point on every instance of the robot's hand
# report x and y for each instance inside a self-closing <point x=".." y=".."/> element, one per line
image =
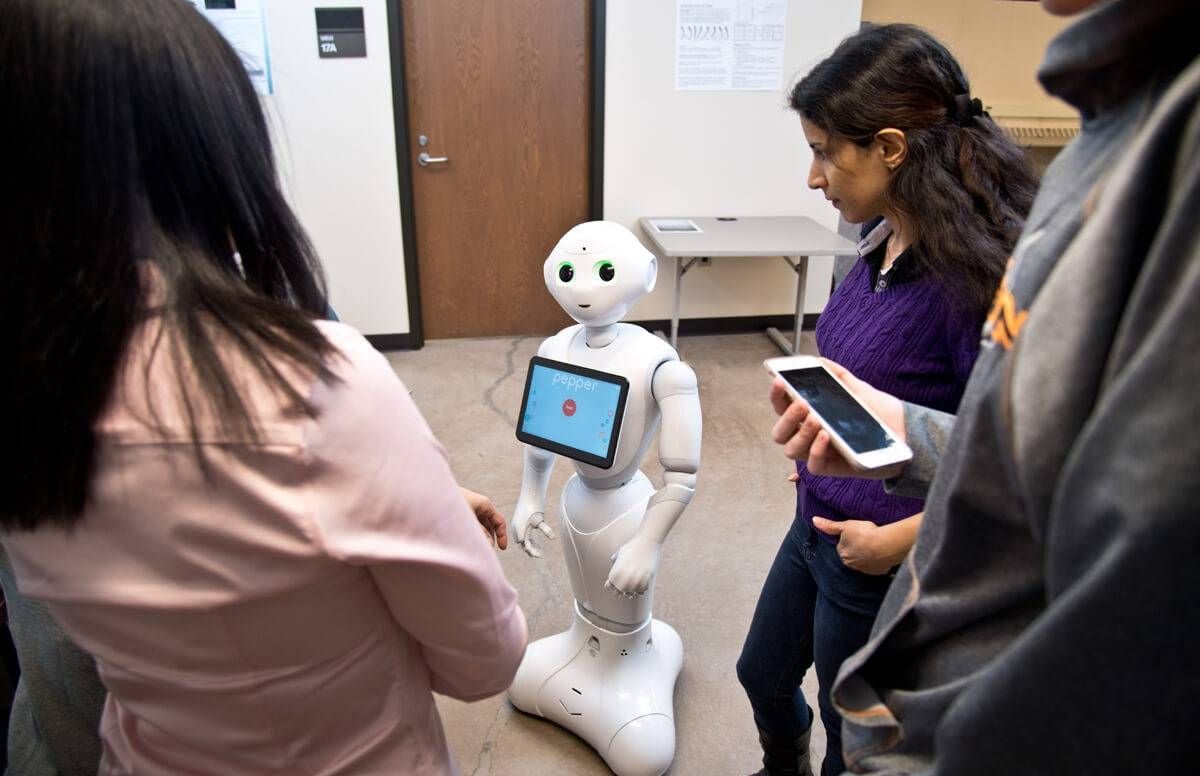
<point x="634" y="567"/>
<point x="524" y="522"/>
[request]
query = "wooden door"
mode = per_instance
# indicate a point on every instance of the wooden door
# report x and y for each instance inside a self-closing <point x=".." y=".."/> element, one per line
<point x="500" y="88"/>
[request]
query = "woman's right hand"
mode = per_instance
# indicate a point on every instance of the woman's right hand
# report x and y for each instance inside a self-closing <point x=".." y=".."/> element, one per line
<point x="803" y="439"/>
<point x="488" y="516"/>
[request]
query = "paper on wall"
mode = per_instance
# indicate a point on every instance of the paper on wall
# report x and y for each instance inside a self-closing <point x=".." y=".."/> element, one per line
<point x="244" y="25"/>
<point x="729" y="45"/>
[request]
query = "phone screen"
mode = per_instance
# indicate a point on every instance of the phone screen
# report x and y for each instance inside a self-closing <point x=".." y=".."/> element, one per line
<point x="839" y="409"/>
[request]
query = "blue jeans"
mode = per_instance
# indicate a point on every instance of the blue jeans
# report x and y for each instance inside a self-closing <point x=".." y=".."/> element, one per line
<point x="811" y="606"/>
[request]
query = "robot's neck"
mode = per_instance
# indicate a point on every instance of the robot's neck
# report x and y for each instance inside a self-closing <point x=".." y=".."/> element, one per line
<point x="600" y="336"/>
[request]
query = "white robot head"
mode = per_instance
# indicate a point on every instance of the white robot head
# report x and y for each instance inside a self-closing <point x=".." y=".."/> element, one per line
<point x="598" y="271"/>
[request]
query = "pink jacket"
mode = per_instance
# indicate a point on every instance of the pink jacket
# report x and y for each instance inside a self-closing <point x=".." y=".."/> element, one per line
<point x="291" y="613"/>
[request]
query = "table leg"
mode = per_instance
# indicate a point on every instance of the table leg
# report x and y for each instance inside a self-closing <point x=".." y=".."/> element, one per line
<point x="801" y="286"/>
<point x="793" y="348"/>
<point x="675" y="306"/>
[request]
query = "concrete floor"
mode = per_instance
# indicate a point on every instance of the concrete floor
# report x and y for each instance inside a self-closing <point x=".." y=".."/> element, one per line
<point x="713" y="563"/>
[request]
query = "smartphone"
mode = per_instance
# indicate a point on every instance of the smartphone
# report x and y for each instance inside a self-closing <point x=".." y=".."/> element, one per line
<point x="854" y="430"/>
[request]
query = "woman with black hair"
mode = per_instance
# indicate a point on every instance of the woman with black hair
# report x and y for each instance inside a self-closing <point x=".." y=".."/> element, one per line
<point x="900" y="146"/>
<point x="232" y="504"/>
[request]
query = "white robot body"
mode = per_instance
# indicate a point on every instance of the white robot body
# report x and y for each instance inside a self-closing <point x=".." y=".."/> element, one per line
<point x="613" y="690"/>
<point x="595" y="525"/>
<point x="610" y="677"/>
<point x="636" y="355"/>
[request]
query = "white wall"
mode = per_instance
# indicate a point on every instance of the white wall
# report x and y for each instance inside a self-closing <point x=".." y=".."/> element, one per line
<point x="672" y="153"/>
<point x="335" y="143"/>
<point x="666" y="153"/>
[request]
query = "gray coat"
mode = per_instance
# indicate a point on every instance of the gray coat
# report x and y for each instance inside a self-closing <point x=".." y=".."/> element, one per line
<point x="1048" y="619"/>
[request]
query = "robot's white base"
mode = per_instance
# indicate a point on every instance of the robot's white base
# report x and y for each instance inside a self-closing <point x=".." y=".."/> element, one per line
<point x="613" y="690"/>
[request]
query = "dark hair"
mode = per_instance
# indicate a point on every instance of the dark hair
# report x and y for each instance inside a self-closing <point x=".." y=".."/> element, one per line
<point x="134" y="138"/>
<point x="965" y="184"/>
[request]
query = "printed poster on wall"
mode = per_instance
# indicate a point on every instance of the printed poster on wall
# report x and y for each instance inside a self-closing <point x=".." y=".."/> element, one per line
<point x="729" y="45"/>
<point x="245" y="27"/>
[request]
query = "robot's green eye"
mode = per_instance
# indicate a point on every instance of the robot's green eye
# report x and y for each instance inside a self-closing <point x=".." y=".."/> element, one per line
<point x="566" y="271"/>
<point x="606" y="270"/>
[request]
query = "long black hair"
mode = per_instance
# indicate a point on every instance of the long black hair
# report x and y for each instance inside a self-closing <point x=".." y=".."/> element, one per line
<point x="965" y="185"/>
<point x="133" y="138"/>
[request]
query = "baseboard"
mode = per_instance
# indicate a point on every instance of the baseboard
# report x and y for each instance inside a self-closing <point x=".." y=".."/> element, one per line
<point x="741" y="324"/>
<point x="384" y="342"/>
<point x="688" y="327"/>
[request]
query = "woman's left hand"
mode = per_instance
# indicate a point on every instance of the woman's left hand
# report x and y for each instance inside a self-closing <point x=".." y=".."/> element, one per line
<point x="488" y="516"/>
<point x="862" y="545"/>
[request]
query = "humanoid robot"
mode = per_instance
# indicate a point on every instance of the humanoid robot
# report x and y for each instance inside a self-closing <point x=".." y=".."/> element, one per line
<point x="609" y="678"/>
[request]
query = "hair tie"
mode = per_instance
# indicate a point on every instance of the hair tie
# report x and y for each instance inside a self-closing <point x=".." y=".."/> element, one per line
<point x="964" y="110"/>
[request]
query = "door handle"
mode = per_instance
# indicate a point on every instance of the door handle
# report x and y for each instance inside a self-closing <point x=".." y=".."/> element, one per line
<point x="424" y="159"/>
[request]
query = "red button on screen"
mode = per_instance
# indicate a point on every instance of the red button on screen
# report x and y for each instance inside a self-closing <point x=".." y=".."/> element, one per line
<point x="569" y="407"/>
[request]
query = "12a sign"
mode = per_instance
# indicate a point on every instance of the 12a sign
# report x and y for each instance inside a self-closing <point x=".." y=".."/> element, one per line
<point x="341" y="33"/>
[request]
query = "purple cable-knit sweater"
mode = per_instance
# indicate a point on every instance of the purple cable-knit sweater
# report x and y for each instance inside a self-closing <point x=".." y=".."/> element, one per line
<point x="906" y="340"/>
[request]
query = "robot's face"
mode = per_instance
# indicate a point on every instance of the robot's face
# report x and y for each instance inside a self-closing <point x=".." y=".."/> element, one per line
<point x="598" y="271"/>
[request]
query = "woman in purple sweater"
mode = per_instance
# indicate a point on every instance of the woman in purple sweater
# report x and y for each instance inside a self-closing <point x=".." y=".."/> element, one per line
<point x="899" y="145"/>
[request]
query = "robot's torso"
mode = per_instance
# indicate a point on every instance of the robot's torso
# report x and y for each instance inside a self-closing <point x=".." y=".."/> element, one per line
<point x="636" y="355"/>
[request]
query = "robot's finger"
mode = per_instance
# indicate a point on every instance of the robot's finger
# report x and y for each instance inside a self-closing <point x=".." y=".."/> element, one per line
<point x="530" y="548"/>
<point x="545" y="528"/>
<point x="617" y="590"/>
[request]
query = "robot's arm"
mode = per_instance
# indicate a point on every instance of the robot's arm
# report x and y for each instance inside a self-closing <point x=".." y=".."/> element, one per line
<point x="531" y="506"/>
<point x="675" y="389"/>
<point x="530" y="512"/>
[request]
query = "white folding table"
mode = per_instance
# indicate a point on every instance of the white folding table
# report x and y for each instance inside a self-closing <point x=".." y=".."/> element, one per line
<point x="784" y="236"/>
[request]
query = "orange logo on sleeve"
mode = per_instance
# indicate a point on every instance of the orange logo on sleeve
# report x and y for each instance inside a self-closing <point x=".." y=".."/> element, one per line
<point x="1004" y="321"/>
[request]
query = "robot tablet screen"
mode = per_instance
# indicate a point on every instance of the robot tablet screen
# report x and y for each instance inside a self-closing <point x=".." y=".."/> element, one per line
<point x="572" y="411"/>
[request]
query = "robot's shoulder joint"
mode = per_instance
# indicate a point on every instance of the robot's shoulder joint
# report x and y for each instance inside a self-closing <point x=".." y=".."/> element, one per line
<point x="674" y="377"/>
<point x="558" y="345"/>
